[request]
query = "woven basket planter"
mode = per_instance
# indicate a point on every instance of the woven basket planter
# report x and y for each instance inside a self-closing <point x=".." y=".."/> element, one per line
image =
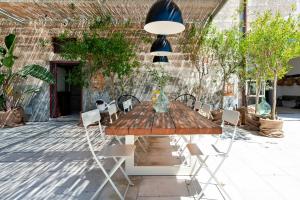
<point x="289" y="82"/>
<point x="271" y="128"/>
<point x="280" y="82"/>
<point x="12" y="118"/>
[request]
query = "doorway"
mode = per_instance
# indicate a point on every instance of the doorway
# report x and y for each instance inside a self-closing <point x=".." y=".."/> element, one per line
<point x="65" y="98"/>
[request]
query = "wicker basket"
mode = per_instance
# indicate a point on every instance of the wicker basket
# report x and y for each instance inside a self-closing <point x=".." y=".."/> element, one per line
<point x="289" y="82"/>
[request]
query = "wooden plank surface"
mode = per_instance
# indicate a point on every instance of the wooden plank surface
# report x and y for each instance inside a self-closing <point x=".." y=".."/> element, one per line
<point x="180" y="119"/>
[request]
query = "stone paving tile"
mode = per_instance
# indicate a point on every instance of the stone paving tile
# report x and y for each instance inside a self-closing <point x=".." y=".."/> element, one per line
<point x="163" y="186"/>
<point x="50" y="160"/>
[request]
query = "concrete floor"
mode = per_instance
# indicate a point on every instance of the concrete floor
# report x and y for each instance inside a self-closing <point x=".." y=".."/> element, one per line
<point x="51" y="161"/>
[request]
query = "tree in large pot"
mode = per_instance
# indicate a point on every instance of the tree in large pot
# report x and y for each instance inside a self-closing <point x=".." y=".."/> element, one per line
<point x="227" y="49"/>
<point x="272" y="41"/>
<point x="10" y="78"/>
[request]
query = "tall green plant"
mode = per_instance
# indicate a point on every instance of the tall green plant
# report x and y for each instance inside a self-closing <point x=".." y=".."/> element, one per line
<point x="227" y="48"/>
<point x="272" y="42"/>
<point x="10" y="76"/>
<point x="196" y="43"/>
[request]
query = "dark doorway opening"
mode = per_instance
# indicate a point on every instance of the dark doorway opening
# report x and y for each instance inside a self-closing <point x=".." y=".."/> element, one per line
<point x="65" y="98"/>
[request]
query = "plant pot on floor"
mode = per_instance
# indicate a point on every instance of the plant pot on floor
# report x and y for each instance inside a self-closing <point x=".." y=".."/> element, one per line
<point x="271" y="128"/>
<point x="12" y="118"/>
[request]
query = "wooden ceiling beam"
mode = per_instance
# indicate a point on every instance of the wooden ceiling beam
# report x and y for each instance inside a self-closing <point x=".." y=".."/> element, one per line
<point x="12" y="16"/>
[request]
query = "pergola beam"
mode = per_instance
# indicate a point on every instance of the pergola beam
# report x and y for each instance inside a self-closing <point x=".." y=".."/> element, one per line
<point x="217" y="9"/>
<point x="11" y="16"/>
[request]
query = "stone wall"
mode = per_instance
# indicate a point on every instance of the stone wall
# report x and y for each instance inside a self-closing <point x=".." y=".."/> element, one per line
<point x="34" y="46"/>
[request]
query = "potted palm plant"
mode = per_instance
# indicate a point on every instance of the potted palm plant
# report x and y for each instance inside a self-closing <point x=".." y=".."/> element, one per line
<point x="10" y="78"/>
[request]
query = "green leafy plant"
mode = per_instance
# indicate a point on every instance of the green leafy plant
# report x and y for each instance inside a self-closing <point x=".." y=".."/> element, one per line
<point x="10" y="77"/>
<point x="271" y="43"/>
<point x="227" y="48"/>
<point x="196" y="43"/>
<point x="159" y="76"/>
<point x="114" y="56"/>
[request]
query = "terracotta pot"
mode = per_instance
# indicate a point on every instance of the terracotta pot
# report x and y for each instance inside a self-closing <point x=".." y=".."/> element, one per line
<point x="271" y="128"/>
<point x="12" y="118"/>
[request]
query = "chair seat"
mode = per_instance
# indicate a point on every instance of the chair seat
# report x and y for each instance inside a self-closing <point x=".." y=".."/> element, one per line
<point x="210" y="150"/>
<point x="123" y="150"/>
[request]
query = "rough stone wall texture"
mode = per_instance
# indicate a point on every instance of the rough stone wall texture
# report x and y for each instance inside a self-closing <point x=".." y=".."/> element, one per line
<point x="30" y="50"/>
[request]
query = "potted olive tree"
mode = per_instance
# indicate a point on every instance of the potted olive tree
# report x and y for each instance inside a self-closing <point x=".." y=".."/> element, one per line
<point x="227" y="48"/>
<point x="272" y="41"/>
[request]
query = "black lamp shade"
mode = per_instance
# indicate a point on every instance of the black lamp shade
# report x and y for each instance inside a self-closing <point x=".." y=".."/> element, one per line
<point x="164" y="18"/>
<point x="160" y="59"/>
<point x="161" y="46"/>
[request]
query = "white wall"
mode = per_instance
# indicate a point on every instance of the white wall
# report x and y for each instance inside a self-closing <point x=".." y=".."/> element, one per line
<point x="293" y="90"/>
<point x="295" y="63"/>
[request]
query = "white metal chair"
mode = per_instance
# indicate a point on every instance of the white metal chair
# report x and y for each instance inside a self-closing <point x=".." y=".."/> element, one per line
<point x="190" y="103"/>
<point x="197" y="106"/>
<point x="112" y="110"/>
<point x="127" y="105"/>
<point x="118" y="153"/>
<point x="206" y="109"/>
<point x="202" y="155"/>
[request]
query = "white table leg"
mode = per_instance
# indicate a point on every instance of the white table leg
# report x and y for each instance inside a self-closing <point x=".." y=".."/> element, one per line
<point x="131" y="169"/>
<point x="129" y="163"/>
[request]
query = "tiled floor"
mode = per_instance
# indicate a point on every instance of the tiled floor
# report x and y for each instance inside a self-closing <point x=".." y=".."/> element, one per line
<point x="51" y="161"/>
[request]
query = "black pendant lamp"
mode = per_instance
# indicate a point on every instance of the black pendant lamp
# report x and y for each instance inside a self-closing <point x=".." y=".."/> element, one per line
<point x="164" y="18"/>
<point x="160" y="59"/>
<point x="161" y="46"/>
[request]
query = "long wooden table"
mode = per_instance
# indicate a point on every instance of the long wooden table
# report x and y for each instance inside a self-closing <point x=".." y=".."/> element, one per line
<point x="143" y="121"/>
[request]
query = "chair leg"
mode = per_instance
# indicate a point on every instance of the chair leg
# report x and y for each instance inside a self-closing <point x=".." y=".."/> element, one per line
<point x="108" y="178"/>
<point x="212" y="177"/>
<point x="215" y="178"/>
<point x="144" y="140"/>
<point x="141" y="145"/>
<point x="119" y="140"/>
<point x="198" y="169"/>
<point x="124" y="173"/>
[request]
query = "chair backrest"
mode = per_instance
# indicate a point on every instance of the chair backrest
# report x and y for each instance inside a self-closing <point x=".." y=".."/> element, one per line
<point x="197" y="105"/>
<point x="90" y="117"/>
<point x="125" y="105"/>
<point x="130" y="103"/>
<point x="112" y="110"/>
<point x="190" y="103"/>
<point x="206" y="109"/>
<point x="231" y="117"/>
<point x="121" y="99"/>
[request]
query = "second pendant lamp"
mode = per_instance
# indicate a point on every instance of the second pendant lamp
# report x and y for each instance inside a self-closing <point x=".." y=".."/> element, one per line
<point x="160" y="59"/>
<point x="161" y="46"/>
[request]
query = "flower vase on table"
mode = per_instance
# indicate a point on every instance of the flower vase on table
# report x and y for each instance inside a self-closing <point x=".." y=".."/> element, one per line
<point x="162" y="103"/>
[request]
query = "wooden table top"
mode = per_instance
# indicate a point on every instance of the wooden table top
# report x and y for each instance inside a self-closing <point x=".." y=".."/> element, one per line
<point x="180" y="120"/>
